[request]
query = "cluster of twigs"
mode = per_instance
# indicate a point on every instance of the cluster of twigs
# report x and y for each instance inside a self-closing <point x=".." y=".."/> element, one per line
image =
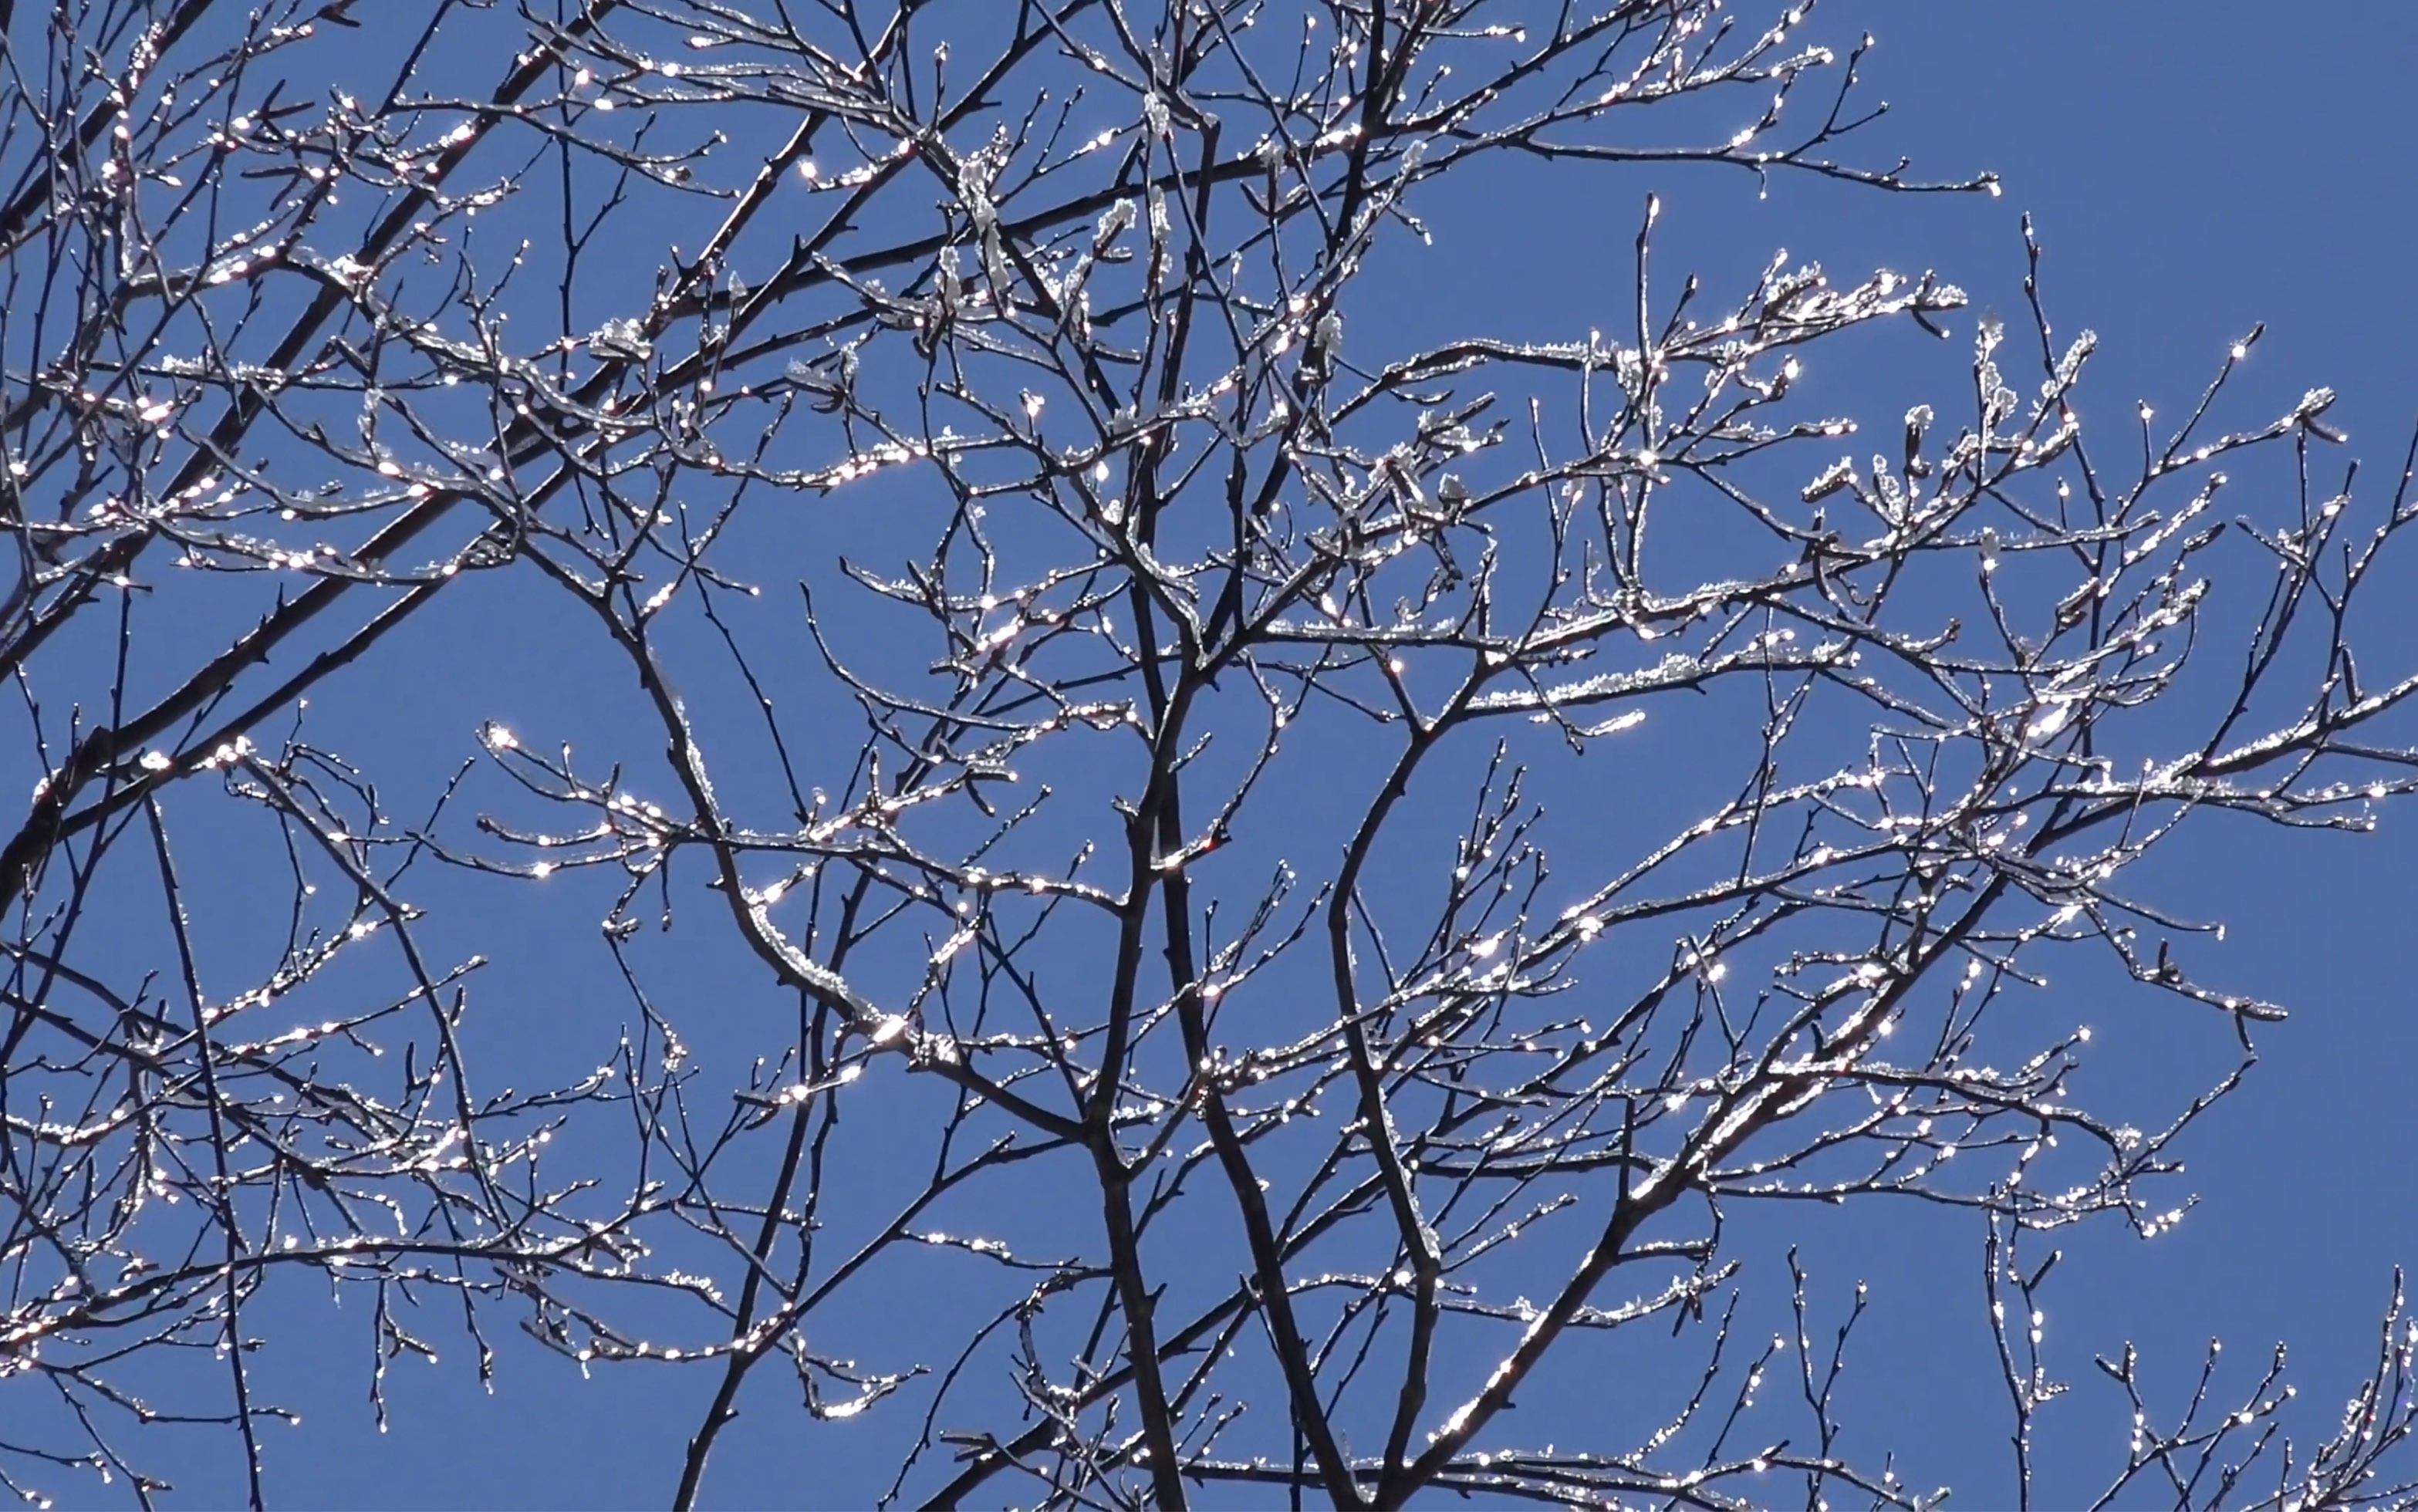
<point x="1145" y="852"/>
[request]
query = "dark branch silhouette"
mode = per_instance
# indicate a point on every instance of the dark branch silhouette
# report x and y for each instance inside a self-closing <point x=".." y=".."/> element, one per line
<point x="1064" y="628"/>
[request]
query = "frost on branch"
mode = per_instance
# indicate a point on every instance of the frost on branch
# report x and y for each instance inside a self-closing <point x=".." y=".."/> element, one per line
<point x="692" y="682"/>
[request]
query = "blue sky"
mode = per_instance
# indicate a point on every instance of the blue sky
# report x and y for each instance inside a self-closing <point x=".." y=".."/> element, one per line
<point x="2191" y="171"/>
